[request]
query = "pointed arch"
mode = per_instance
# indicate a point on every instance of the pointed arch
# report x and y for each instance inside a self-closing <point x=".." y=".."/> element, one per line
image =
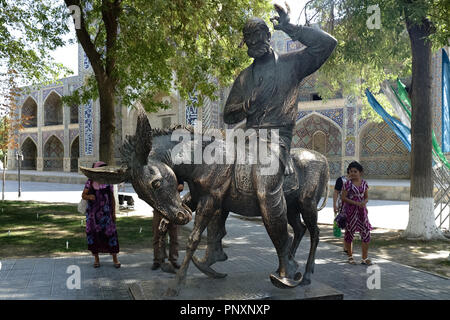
<point x="306" y="127"/>
<point x="29" y="151"/>
<point x="53" y="154"/>
<point x="29" y="109"/>
<point x="74" y="154"/>
<point x="53" y="109"/>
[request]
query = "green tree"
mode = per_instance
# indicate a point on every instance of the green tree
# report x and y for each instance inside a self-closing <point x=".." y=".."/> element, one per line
<point x="142" y="48"/>
<point x="11" y="121"/>
<point x="28" y="30"/>
<point x="400" y="46"/>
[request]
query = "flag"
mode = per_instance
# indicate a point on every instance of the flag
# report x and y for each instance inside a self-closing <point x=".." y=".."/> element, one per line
<point x="402" y="131"/>
<point x="400" y="111"/>
<point x="445" y="102"/>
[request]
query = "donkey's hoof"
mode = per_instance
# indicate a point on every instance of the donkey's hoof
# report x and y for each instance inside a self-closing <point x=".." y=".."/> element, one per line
<point x="283" y="282"/>
<point x="298" y="276"/>
<point x="210" y="272"/>
<point x="305" y="282"/>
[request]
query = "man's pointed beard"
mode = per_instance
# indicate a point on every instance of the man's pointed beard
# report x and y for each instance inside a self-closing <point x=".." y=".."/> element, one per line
<point x="259" y="51"/>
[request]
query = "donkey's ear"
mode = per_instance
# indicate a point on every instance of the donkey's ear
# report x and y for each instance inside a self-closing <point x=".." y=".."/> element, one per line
<point x="108" y="174"/>
<point x="143" y="136"/>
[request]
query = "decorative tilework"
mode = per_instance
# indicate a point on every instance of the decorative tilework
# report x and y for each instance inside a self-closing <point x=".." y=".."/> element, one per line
<point x="59" y="90"/>
<point x="191" y="111"/>
<point x="304" y="131"/>
<point x="302" y="114"/>
<point x="73" y="134"/>
<point x="35" y="94"/>
<point x="47" y="134"/>
<point x="382" y="154"/>
<point x="350" y="147"/>
<point x="335" y="168"/>
<point x="379" y="139"/>
<point x="337" y="115"/>
<point x="350" y="121"/>
<point x="86" y="63"/>
<point x="33" y="136"/>
<point x="387" y="169"/>
<point x="88" y="129"/>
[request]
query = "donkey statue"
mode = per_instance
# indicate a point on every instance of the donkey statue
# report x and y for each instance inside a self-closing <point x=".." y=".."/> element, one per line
<point x="215" y="190"/>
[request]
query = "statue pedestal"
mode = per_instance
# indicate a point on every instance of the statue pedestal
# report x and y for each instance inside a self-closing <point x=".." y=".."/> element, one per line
<point x="255" y="286"/>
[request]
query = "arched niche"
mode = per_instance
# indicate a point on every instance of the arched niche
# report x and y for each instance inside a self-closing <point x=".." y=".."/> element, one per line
<point x="53" y="110"/>
<point x="53" y="154"/>
<point x="29" y="151"/>
<point x="29" y="110"/>
<point x="74" y="154"/>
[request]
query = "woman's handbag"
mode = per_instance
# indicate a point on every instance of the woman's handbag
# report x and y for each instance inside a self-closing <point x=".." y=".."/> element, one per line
<point x="341" y="220"/>
<point x="82" y="206"/>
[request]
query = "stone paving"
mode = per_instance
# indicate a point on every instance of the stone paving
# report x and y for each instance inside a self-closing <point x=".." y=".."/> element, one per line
<point x="249" y="250"/>
<point x="247" y="245"/>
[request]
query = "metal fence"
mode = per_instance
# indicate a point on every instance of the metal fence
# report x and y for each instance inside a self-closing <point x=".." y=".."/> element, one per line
<point x="441" y="179"/>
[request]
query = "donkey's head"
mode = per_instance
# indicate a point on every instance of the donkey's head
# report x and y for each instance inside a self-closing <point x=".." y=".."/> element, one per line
<point x="153" y="180"/>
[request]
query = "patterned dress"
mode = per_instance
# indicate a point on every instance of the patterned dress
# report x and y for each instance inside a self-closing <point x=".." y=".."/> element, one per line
<point x="100" y="228"/>
<point x="357" y="218"/>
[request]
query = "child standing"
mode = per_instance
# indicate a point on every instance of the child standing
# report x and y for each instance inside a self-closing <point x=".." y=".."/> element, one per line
<point x="354" y="198"/>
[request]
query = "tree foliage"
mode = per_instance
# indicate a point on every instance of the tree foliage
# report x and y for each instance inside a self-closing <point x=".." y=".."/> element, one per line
<point x="366" y="57"/>
<point x="190" y="46"/>
<point x="11" y="121"/>
<point x="28" y="31"/>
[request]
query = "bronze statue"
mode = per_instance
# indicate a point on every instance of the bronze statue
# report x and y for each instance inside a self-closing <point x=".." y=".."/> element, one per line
<point x="265" y="94"/>
<point x="214" y="192"/>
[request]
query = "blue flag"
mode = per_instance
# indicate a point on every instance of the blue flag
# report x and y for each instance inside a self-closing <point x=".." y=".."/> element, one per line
<point x="445" y="102"/>
<point x="402" y="131"/>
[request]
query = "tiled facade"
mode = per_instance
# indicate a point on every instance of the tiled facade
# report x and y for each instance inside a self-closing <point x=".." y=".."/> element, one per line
<point x="62" y="138"/>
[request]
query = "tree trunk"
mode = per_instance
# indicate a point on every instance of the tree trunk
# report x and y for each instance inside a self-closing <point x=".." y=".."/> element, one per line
<point x="421" y="222"/>
<point x="103" y="70"/>
<point x="107" y="123"/>
<point x="4" y="176"/>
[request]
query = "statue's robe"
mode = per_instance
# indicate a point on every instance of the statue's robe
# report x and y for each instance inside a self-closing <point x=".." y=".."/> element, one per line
<point x="279" y="76"/>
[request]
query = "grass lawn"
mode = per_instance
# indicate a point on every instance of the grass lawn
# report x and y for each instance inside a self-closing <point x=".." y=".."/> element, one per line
<point x="42" y="229"/>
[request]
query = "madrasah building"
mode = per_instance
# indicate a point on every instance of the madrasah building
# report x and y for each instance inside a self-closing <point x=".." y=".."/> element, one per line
<point x="61" y="138"/>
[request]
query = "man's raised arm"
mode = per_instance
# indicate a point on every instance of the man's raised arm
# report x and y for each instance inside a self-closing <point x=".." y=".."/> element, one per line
<point x="319" y="44"/>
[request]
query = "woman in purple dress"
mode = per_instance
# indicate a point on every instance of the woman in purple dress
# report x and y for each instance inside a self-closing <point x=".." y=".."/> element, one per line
<point x="354" y="198"/>
<point x="101" y="219"/>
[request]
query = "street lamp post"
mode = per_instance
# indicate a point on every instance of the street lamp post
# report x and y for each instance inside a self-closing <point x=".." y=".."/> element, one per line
<point x="19" y="158"/>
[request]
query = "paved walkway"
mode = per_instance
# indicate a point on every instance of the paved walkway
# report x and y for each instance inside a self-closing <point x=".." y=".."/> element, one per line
<point x="249" y="250"/>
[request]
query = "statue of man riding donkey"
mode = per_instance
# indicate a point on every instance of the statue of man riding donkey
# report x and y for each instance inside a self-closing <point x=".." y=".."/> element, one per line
<point x="264" y="94"/>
